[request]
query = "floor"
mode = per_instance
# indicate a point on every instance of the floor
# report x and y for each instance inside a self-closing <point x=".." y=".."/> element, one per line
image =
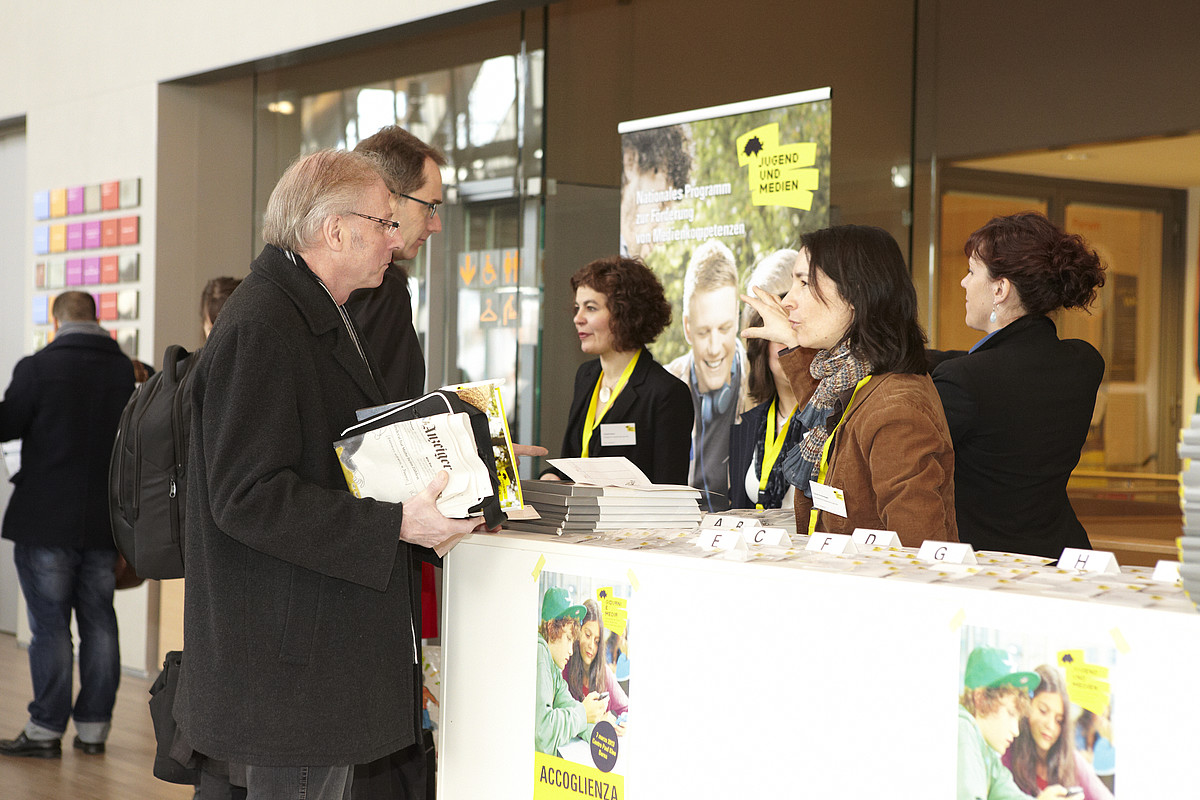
<point x="122" y="772"/>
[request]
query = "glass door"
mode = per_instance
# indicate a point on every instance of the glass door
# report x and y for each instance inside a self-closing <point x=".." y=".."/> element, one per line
<point x="475" y="287"/>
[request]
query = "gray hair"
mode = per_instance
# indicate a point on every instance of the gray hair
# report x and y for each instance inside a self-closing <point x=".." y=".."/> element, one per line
<point x="315" y="187"/>
<point x="772" y="274"/>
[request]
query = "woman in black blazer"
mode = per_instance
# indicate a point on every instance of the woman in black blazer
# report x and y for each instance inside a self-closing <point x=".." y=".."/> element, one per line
<point x="625" y="403"/>
<point x="1020" y="402"/>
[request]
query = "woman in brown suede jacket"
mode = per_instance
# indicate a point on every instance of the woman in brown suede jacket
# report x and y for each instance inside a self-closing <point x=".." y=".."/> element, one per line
<point x="877" y="452"/>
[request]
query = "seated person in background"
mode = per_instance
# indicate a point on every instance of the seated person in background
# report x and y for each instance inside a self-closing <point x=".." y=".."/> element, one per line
<point x="625" y="403"/>
<point x="558" y="717"/>
<point x="758" y="442"/>
<point x="1044" y="754"/>
<point x="617" y="649"/>
<point x="1094" y="741"/>
<point x="876" y="452"/>
<point x="995" y="697"/>
<point x="1020" y="403"/>
<point x="588" y="669"/>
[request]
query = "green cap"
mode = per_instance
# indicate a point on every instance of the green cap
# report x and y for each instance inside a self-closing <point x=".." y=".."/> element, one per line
<point x="557" y="604"/>
<point x="989" y="667"/>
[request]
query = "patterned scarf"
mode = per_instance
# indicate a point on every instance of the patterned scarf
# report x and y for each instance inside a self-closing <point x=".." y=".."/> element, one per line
<point x="838" y="371"/>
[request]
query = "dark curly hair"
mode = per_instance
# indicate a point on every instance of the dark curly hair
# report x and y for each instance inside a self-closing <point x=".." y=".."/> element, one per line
<point x="638" y="309"/>
<point x="1050" y="269"/>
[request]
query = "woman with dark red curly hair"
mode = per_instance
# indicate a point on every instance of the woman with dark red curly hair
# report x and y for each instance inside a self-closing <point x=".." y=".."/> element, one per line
<point x="1020" y="402"/>
<point x="625" y="403"/>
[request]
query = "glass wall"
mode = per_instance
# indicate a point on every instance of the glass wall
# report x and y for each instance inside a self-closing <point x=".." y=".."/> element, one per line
<point x="476" y="301"/>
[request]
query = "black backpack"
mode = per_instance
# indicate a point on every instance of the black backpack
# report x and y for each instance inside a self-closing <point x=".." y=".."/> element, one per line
<point x="146" y="480"/>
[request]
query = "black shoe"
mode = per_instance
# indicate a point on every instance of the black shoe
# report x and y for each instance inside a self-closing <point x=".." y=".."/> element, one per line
<point x="91" y="748"/>
<point x="31" y="748"/>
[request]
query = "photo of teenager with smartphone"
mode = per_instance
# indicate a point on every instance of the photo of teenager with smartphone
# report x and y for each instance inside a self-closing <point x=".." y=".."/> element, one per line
<point x="1020" y="699"/>
<point x="581" y="707"/>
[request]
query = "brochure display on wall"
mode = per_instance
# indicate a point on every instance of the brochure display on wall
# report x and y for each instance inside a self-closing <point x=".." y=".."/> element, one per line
<point x="73" y="251"/>
<point x="713" y="200"/>
<point x="582" y="704"/>
<point x="1035" y="712"/>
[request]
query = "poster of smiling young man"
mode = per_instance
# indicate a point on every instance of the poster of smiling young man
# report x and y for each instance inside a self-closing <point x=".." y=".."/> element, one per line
<point x="705" y="196"/>
<point x="1035" y="717"/>
<point x="582" y="705"/>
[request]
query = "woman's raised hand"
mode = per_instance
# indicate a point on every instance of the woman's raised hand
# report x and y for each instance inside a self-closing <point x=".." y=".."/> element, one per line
<point x="775" y="327"/>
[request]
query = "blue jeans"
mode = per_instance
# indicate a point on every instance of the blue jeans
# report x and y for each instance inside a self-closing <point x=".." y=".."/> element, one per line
<point x="57" y="581"/>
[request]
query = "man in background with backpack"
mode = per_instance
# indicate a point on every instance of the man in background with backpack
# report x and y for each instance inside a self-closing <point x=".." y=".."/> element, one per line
<point x="64" y="404"/>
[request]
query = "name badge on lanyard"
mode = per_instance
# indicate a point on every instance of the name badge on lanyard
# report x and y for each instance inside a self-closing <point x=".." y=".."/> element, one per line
<point x="615" y="434"/>
<point x="825" y="497"/>
<point x="828" y="498"/>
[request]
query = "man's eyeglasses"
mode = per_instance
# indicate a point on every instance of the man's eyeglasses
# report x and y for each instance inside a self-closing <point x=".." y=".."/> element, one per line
<point x="390" y="226"/>
<point x="433" y="207"/>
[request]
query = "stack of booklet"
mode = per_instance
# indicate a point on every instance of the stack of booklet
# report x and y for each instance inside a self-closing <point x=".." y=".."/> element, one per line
<point x="1189" y="498"/>
<point x="608" y="494"/>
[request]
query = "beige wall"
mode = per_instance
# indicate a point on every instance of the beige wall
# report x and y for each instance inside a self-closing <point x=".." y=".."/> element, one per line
<point x="1016" y="75"/>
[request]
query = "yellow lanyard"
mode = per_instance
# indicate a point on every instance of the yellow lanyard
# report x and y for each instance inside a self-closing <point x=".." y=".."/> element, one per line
<point x="812" y="515"/>
<point x="592" y="420"/>
<point x="773" y="445"/>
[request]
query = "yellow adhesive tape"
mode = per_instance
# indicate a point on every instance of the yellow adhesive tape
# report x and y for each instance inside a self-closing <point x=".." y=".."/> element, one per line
<point x="957" y="620"/>
<point x="633" y="581"/>
<point x="537" y="568"/>
<point x="1119" y="640"/>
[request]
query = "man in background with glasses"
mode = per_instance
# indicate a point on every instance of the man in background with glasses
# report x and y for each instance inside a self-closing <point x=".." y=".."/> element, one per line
<point x="412" y="171"/>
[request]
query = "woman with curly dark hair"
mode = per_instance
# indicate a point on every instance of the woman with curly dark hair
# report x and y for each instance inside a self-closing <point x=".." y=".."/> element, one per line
<point x="1020" y="402"/>
<point x="625" y="403"/>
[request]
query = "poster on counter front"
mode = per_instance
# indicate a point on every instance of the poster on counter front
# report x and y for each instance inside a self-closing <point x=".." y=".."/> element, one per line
<point x="1035" y="716"/>
<point x="713" y="201"/>
<point x="582" y="699"/>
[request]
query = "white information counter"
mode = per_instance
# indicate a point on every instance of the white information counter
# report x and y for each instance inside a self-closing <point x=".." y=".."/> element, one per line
<point x="809" y="676"/>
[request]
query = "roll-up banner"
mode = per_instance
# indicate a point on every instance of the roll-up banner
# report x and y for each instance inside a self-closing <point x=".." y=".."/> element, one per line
<point x="709" y="199"/>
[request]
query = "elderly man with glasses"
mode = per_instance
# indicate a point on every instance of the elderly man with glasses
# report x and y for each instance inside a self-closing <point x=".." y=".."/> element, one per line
<point x="301" y="656"/>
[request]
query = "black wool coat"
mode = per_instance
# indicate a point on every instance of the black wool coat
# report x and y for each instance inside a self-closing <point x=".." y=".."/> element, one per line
<point x="1019" y="409"/>
<point x="64" y="404"/>
<point x="384" y="317"/>
<point x="299" y="643"/>
<point x="655" y="402"/>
